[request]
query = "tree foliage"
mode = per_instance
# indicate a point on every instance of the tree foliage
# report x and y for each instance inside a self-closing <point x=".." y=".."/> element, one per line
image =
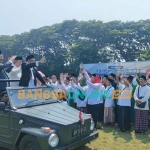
<point x="71" y="42"/>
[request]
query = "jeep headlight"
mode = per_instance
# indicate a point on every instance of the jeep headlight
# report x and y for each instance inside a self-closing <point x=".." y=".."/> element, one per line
<point x="92" y="125"/>
<point x="53" y="140"/>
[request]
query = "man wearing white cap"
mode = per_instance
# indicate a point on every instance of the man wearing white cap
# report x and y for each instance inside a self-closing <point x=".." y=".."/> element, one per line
<point x="15" y="71"/>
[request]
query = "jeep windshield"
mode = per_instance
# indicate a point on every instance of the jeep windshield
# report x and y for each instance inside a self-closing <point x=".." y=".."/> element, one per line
<point x="24" y="96"/>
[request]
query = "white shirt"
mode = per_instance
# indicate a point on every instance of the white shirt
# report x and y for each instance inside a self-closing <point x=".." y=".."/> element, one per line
<point x="55" y="85"/>
<point x="143" y="92"/>
<point x="102" y="89"/>
<point x="80" y="103"/>
<point x="66" y="89"/>
<point x="93" y="92"/>
<point x="75" y="92"/>
<point x="31" y="82"/>
<point x="15" y="74"/>
<point x="134" y="81"/>
<point x="148" y="81"/>
<point x="121" y="100"/>
<point x="109" y="91"/>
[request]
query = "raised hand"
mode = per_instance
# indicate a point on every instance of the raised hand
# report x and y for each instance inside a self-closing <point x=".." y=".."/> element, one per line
<point x="66" y="75"/>
<point x="42" y="60"/>
<point x="122" y="77"/>
<point x="73" y="79"/>
<point x="117" y="74"/>
<point x="47" y="85"/>
<point x="81" y="67"/>
<point x="139" y="70"/>
<point x="61" y="75"/>
<point x="12" y="57"/>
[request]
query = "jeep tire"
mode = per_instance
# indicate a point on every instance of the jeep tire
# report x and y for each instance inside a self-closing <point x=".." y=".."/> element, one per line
<point x="29" y="143"/>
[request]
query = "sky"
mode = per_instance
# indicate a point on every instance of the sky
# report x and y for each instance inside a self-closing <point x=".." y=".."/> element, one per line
<point x="18" y="16"/>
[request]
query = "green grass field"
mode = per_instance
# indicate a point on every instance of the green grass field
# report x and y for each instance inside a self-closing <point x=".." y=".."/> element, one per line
<point x="110" y="138"/>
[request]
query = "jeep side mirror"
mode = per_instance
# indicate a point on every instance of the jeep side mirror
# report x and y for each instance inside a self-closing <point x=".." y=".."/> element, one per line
<point x="2" y="106"/>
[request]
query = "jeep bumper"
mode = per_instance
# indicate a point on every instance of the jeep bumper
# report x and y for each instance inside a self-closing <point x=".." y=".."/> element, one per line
<point x="79" y="143"/>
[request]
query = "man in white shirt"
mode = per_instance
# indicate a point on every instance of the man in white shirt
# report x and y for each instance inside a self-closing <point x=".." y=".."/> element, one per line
<point x="124" y="102"/>
<point x="109" y="116"/>
<point x="141" y="107"/>
<point x="54" y="80"/>
<point x="80" y="94"/>
<point x="15" y="71"/>
<point x="66" y="87"/>
<point x="93" y="91"/>
<point x="101" y="107"/>
<point x="74" y="90"/>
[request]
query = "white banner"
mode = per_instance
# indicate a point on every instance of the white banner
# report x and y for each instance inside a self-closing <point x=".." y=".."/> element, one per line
<point x="121" y="67"/>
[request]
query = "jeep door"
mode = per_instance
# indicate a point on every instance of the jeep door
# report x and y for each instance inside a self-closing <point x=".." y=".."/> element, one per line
<point x="5" y="127"/>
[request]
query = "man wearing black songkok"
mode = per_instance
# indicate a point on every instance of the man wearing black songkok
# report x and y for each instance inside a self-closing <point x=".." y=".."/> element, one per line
<point x="113" y="77"/>
<point x="141" y="96"/>
<point x="4" y="98"/>
<point x="30" y="72"/>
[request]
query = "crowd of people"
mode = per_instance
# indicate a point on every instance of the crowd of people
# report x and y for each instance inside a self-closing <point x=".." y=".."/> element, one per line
<point x="102" y="97"/>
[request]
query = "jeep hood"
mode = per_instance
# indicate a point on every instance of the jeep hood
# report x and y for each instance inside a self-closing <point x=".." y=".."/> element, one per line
<point x="56" y="112"/>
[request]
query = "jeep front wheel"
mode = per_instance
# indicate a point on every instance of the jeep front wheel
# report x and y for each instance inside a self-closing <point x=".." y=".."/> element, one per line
<point x="29" y="143"/>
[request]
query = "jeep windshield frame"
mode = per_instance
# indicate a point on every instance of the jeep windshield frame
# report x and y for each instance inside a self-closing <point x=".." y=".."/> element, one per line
<point x="20" y="97"/>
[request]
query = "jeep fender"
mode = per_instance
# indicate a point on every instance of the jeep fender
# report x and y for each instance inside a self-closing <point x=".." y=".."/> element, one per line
<point x="41" y="136"/>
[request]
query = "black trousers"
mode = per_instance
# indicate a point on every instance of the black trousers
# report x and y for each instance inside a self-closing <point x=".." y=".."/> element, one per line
<point x="118" y="114"/>
<point x="101" y="112"/>
<point x="125" y="118"/>
<point x="75" y="105"/>
<point x="116" y="111"/>
<point x="93" y="110"/>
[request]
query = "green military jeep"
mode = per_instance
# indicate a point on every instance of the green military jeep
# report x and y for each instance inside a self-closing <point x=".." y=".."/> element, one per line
<point x="36" y="120"/>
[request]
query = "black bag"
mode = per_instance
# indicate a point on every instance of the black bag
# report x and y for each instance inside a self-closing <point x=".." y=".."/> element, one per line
<point x="141" y="105"/>
<point x="81" y="96"/>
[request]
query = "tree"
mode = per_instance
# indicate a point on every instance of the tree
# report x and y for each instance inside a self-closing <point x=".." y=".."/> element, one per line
<point x="145" y="54"/>
<point x="67" y="44"/>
